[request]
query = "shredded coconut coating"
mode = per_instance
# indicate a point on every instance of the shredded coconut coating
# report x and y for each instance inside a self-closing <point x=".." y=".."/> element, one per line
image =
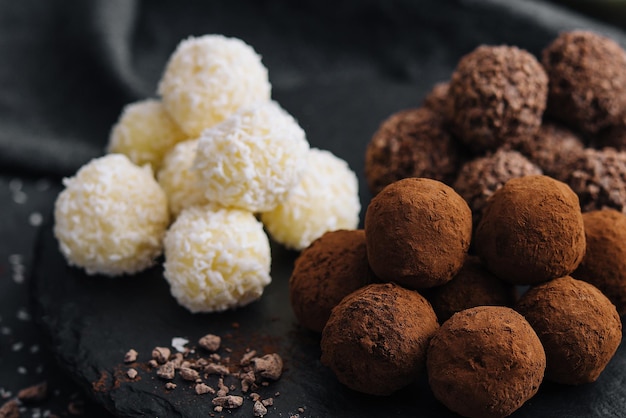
<point x="111" y="217"/>
<point x="253" y="159"/>
<point x="326" y="199"/>
<point x="178" y="179"/>
<point x="216" y="258"/>
<point x="208" y="78"/>
<point x="145" y="133"/>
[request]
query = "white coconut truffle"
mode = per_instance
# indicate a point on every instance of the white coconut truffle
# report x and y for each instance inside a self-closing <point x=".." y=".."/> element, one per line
<point x="326" y="199"/>
<point x="216" y="258"/>
<point x="208" y="78"/>
<point x="144" y="133"/>
<point x="253" y="159"/>
<point x="111" y="217"/>
<point x="179" y="181"/>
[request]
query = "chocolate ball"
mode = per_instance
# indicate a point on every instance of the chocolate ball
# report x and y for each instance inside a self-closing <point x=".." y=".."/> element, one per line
<point x="497" y="96"/>
<point x="479" y="178"/>
<point x="472" y="286"/>
<point x="437" y="98"/>
<point x="485" y="362"/>
<point x="376" y="338"/>
<point x="598" y="177"/>
<point x="531" y="231"/>
<point x="578" y="326"/>
<point x="329" y="269"/>
<point x="411" y="143"/>
<point x="587" y="73"/>
<point x="418" y="232"/>
<point x="604" y="264"/>
<point x="552" y="149"/>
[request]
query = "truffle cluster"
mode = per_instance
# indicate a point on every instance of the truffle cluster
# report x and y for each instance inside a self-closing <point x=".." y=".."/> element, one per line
<point x="224" y="153"/>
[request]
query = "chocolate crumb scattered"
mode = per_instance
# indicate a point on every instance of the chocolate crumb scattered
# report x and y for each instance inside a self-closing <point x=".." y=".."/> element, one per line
<point x="35" y="393"/>
<point x="245" y="359"/>
<point x="166" y="371"/>
<point x="215" y="357"/>
<point x="130" y="356"/>
<point x="161" y="354"/>
<point x="202" y="388"/>
<point x="177" y="360"/>
<point x="223" y="389"/>
<point x="229" y="401"/>
<point x="270" y="366"/>
<point x="153" y="363"/>
<point x="210" y="342"/>
<point x="10" y="409"/>
<point x="131" y="373"/>
<point x="218" y="408"/>
<point x="247" y="380"/>
<point x="259" y="410"/>
<point x="188" y="374"/>
<point x="301" y="410"/>
<point x="268" y="402"/>
<point x="216" y="369"/>
<point x="255" y="396"/>
<point x="170" y="386"/>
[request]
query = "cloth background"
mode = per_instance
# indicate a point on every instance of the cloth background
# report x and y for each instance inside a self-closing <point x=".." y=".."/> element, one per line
<point x="67" y="68"/>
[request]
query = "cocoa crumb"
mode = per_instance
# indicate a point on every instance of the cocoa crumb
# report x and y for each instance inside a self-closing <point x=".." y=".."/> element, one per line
<point x="255" y="396"/>
<point x="130" y="356"/>
<point x="202" y="388"/>
<point x="215" y="357"/>
<point x="245" y="359"/>
<point x="161" y="354"/>
<point x="170" y="386"/>
<point x="247" y="380"/>
<point x="301" y="410"/>
<point x="218" y="408"/>
<point x="10" y="409"/>
<point x="259" y="410"/>
<point x="200" y="364"/>
<point x="166" y="371"/>
<point x="268" y="402"/>
<point x="177" y="360"/>
<point x="223" y="389"/>
<point x="33" y="393"/>
<point x="153" y="363"/>
<point x="229" y="401"/>
<point x="270" y="366"/>
<point x="216" y="369"/>
<point x="210" y="342"/>
<point x="188" y="374"/>
<point x="131" y="373"/>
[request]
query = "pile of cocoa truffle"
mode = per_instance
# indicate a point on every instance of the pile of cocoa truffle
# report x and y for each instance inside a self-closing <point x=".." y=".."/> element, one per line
<point x="493" y="254"/>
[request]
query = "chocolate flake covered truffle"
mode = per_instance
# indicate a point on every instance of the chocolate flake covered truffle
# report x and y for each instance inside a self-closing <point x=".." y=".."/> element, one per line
<point x="437" y="98"/>
<point x="332" y="267"/>
<point x="578" y="326"/>
<point x="604" y="264"/>
<point x="485" y="362"/>
<point x="376" y="338"/>
<point x="411" y="143"/>
<point x="531" y="231"/>
<point x="418" y="232"/>
<point x="497" y="96"/>
<point x="587" y="73"/>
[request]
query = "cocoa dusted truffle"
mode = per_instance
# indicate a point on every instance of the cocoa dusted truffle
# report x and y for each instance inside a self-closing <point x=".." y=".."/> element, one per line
<point x="473" y="286"/>
<point x="531" y="231"/>
<point x="587" y="74"/>
<point x="497" y="96"/>
<point x="578" y="326"/>
<point x="437" y="98"/>
<point x="479" y="178"/>
<point x="418" y="232"/>
<point x="376" y="338"/>
<point x="604" y="264"/>
<point x="411" y="143"/>
<point x="598" y="177"/>
<point x="329" y="269"/>
<point x="485" y="362"/>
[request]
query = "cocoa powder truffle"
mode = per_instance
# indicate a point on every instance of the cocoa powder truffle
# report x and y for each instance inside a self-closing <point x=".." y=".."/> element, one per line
<point x="497" y="96"/>
<point x="473" y="286"/>
<point x="531" y="231"/>
<point x="604" y="264"/>
<point x="485" y="362"/>
<point x="329" y="269"/>
<point x="578" y="326"/>
<point x="587" y="73"/>
<point x="598" y="177"/>
<point x="376" y="338"/>
<point x="418" y="232"/>
<point x="479" y="178"/>
<point x="411" y="143"/>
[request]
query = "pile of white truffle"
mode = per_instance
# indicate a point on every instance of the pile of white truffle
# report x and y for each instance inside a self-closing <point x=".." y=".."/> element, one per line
<point x="225" y="155"/>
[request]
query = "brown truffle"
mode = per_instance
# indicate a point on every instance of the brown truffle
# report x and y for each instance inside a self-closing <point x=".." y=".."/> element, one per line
<point x="485" y="362"/>
<point x="479" y="178"/>
<point x="411" y="143"/>
<point x="437" y="98"/>
<point x="376" y="338"/>
<point x="604" y="264"/>
<point x="497" y="96"/>
<point x="553" y="149"/>
<point x="329" y="269"/>
<point x="473" y="286"/>
<point x="418" y="232"/>
<point x="587" y="73"/>
<point x="598" y="177"/>
<point x="578" y="326"/>
<point x="531" y="231"/>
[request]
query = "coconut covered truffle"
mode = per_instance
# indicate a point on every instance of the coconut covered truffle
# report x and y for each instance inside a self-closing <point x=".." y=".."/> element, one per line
<point x="216" y="258"/>
<point x="531" y="231"/>
<point x="472" y="286"/>
<point x="577" y="325"/>
<point x="111" y="217"/>
<point x="587" y="74"/>
<point x="253" y="159"/>
<point x="418" y="233"/>
<point x="326" y="199"/>
<point x="329" y="269"/>
<point x="145" y="133"/>
<point x="485" y="362"/>
<point x="497" y="96"/>
<point x="604" y="264"/>
<point x="376" y="338"/>
<point x="411" y="143"/>
<point x="478" y="179"/>
<point x="208" y="78"/>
